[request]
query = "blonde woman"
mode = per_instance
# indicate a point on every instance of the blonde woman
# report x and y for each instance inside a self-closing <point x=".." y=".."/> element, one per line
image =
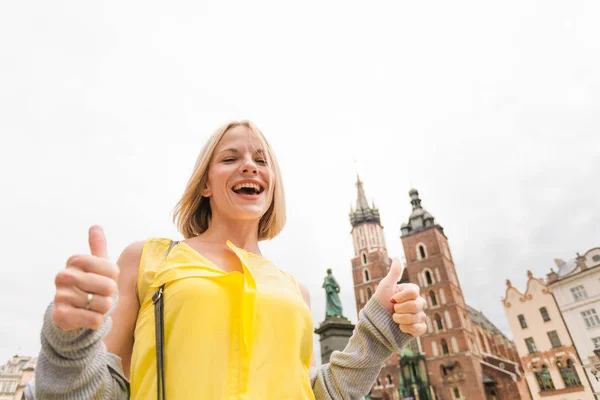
<point x="233" y="325"/>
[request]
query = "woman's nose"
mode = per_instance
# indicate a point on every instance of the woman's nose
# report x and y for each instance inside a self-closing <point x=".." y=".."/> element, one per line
<point x="249" y="166"/>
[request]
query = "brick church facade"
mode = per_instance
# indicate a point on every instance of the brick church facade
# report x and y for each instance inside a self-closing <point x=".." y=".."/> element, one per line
<point x="462" y="355"/>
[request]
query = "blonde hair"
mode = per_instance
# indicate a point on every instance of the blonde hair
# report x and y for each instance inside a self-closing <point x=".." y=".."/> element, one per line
<point x="193" y="214"/>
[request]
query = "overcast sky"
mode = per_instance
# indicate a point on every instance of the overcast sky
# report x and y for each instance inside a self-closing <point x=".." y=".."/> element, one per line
<point x="490" y="110"/>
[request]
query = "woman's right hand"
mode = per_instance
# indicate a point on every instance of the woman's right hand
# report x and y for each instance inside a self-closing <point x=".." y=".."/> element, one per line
<point x="85" y="288"/>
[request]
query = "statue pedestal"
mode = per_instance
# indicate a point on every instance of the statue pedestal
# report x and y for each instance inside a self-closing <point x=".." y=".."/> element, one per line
<point x="334" y="334"/>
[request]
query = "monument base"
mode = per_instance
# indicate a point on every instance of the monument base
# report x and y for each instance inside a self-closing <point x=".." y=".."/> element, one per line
<point x="334" y="334"/>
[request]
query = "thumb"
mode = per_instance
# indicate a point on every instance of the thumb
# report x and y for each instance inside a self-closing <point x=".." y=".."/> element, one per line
<point x="395" y="272"/>
<point x="97" y="242"/>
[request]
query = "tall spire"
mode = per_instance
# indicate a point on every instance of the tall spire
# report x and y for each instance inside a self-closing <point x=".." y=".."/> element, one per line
<point x="361" y="200"/>
<point x="363" y="212"/>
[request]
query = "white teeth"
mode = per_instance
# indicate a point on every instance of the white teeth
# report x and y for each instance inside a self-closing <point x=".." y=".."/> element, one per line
<point x="247" y="185"/>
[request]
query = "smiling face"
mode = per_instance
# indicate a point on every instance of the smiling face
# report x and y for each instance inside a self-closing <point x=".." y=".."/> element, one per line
<point x="240" y="181"/>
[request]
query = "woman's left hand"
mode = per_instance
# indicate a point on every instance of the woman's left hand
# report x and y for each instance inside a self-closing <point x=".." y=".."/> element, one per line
<point x="403" y="301"/>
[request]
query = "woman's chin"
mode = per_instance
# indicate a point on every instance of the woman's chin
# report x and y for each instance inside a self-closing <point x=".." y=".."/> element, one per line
<point x="249" y="213"/>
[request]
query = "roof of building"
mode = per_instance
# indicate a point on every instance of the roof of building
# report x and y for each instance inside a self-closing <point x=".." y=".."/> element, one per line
<point x="419" y="218"/>
<point x="363" y="212"/>
<point x="574" y="266"/>
<point x="481" y="320"/>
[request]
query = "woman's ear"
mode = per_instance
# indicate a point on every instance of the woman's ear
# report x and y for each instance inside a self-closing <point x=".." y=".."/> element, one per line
<point x="206" y="192"/>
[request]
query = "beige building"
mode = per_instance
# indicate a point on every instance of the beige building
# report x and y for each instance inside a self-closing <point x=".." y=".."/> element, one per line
<point x="576" y="288"/>
<point x="552" y="366"/>
<point x="14" y="376"/>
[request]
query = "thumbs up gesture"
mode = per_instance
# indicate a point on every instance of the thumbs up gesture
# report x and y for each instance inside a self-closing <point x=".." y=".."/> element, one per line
<point x="85" y="289"/>
<point x="402" y="301"/>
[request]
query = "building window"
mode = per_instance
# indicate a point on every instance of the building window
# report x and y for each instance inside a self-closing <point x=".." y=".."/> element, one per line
<point x="596" y="342"/>
<point x="421" y="252"/>
<point x="596" y="258"/>
<point x="448" y="320"/>
<point x="433" y="298"/>
<point x="438" y="322"/>
<point x="544" y="379"/>
<point x="428" y="278"/>
<point x="578" y="292"/>
<point x="554" y="339"/>
<point x="389" y="380"/>
<point x="362" y="296"/>
<point x="445" y="349"/>
<point x="362" y="237"/>
<point x="442" y="296"/>
<point x="568" y="374"/>
<point x="530" y="345"/>
<point x="366" y="275"/>
<point x="456" y="393"/>
<point x="454" y="344"/>
<point x="590" y="317"/>
<point x="434" y="348"/>
<point x="545" y="315"/>
<point x="483" y="343"/>
<point x="522" y="321"/>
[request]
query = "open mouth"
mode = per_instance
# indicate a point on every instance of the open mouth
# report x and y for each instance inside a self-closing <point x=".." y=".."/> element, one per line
<point x="248" y="189"/>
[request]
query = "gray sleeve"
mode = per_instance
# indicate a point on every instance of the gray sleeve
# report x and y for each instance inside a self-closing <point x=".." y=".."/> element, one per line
<point x="350" y="374"/>
<point x="75" y="365"/>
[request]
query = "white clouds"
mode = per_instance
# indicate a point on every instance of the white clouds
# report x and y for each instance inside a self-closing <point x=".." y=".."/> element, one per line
<point x="489" y="110"/>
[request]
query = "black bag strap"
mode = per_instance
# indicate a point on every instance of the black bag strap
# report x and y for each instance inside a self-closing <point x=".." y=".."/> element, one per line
<point x="159" y="324"/>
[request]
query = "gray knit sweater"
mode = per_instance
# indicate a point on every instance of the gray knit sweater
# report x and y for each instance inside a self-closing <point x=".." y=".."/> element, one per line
<point x="75" y="365"/>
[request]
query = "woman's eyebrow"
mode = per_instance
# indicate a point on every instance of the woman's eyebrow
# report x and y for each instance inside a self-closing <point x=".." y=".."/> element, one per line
<point x="231" y="150"/>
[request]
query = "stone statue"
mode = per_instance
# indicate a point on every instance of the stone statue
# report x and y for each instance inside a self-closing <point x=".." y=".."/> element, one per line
<point x="333" y="305"/>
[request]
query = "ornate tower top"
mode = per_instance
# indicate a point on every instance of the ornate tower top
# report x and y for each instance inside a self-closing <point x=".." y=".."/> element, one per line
<point x="363" y="212"/>
<point x="419" y="219"/>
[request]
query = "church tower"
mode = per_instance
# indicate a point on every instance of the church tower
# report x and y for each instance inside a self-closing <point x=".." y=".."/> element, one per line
<point x="370" y="262"/>
<point x="369" y="265"/>
<point x="451" y="353"/>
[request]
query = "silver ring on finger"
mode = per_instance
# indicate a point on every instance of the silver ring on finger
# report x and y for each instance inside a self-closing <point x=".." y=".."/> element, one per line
<point x="88" y="301"/>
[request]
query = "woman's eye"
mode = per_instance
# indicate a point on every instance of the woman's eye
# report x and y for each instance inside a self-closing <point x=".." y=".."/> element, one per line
<point x="229" y="159"/>
<point x="261" y="161"/>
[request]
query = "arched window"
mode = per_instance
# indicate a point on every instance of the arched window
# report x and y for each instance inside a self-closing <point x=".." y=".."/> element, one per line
<point x="448" y="319"/>
<point x="421" y="252"/>
<point x="456" y="393"/>
<point x="568" y="374"/>
<point x="445" y="349"/>
<point x="544" y="379"/>
<point x="442" y="296"/>
<point x="433" y="298"/>
<point x="434" y="348"/>
<point x="364" y="258"/>
<point x="373" y="236"/>
<point x="389" y="379"/>
<point x="454" y="344"/>
<point x="362" y="296"/>
<point x="366" y="275"/>
<point x="596" y="258"/>
<point x="428" y="278"/>
<point x="369" y="293"/>
<point x="438" y="322"/>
